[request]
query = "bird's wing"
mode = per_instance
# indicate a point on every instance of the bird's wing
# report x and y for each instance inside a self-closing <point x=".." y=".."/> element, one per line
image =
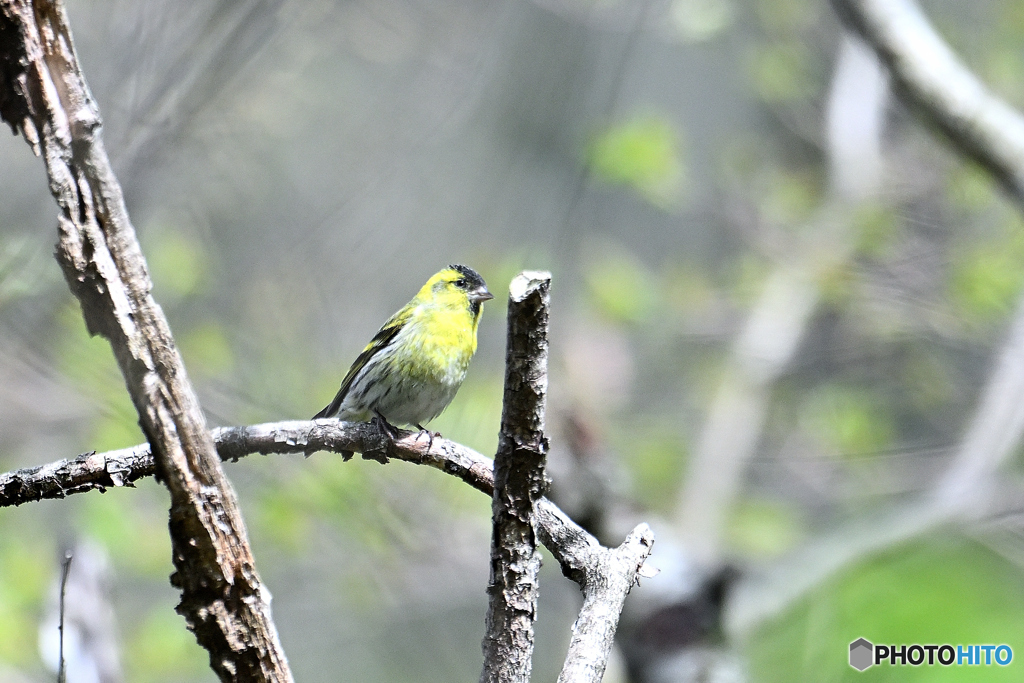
<point x="384" y="337"/>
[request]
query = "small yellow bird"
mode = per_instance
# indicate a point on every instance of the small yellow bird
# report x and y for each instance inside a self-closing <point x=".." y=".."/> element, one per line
<point x="416" y="363"/>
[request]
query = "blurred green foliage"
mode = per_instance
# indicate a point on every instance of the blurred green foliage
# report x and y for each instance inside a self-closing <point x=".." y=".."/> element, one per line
<point x="971" y="188"/>
<point x="655" y="458"/>
<point x="130" y="524"/>
<point x="930" y="381"/>
<point x="783" y="17"/>
<point x="474" y="415"/>
<point x="621" y="287"/>
<point x="848" y="420"/>
<point x="322" y="490"/>
<point x="877" y="230"/>
<point x="89" y="362"/>
<point x="178" y="265"/>
<point x="25" y="270"/>
<point x="763" y="528"/>
<point x="701" y="20"/>
<point x="745" y="277"/>
<point x="688" y="290"/>
<point x="942" y="589"/>
<point x="987" y="278"/>
<point x="643" y="153"/>
<point x="790" y="197"/>
<point x="207" y="350"/>
<point x="26" y="566"/>
<point x="160" y="649"/>
<point x="781" y="71"/>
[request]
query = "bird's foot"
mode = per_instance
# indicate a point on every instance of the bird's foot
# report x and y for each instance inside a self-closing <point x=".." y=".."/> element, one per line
<point x="430" y="434"/>
<point x="383" y="425"/>
<point x="388" y="433"/>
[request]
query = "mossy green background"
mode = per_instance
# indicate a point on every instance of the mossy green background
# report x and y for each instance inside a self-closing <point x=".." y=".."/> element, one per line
<point x="942" y="589"/>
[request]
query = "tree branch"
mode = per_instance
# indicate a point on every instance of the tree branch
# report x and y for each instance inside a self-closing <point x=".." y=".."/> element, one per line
<point x="779" y="320"/>
<point x="965" y="492"/>
<point x="100" y="471"/>
<point x="567" y="541"/>
<point x="605" y="575"/>
<point x="44" y="96"/>
<point x="519" y="481"/>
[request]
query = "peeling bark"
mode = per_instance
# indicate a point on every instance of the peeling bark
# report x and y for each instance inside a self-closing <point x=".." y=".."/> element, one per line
<point x="519" y="481"/>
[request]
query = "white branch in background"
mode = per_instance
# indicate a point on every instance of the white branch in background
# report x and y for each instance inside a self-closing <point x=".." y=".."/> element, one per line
<point x="776" y="326"/>
<point x="993" y="434"/>
<point x="931" y="76"/>
<point x="964" y="492"/>
<point x="928" y="74"/>
<point x="855" y="121"/>
<point x="765" y="594"/>
<point x="733" y="428"/>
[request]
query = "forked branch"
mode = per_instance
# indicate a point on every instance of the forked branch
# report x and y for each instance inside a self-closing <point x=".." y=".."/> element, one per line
<point x="579" y="553"/>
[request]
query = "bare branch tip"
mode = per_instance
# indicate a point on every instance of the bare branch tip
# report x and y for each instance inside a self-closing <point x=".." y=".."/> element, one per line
<point x="642" y="534"/>
<point x="528" y="282"/>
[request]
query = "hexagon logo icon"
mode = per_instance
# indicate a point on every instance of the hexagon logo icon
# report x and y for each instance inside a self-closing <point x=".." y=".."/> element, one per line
<point x="861" y="654"/>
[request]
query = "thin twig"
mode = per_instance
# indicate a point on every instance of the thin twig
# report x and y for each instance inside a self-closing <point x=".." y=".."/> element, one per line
<point x="65" y="571"/>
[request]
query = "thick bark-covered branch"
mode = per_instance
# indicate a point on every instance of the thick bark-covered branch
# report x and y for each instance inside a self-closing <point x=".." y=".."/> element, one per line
<point x="929" y="75"/>
<point x="88" y="472"/>
<point x="519" y="481"/>
<point x="44" y="96"/>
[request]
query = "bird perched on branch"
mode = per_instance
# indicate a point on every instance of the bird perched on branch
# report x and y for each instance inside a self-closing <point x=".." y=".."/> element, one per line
<point x="411" y="370"/>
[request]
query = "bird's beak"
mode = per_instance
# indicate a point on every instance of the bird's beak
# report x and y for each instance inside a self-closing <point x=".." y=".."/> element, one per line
<point x="480" y="294"/>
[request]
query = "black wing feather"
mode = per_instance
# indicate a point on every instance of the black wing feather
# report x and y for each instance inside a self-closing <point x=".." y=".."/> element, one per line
<point x="380" y="341"/>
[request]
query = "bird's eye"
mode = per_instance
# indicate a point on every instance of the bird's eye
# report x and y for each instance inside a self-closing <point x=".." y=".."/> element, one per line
<point x="460" y="283"/>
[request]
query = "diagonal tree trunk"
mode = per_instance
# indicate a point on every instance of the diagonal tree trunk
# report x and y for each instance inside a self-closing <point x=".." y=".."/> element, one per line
<point x="44" y="96"/>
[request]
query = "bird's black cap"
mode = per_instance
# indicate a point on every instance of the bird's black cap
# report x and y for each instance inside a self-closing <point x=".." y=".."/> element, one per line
<point x="473" y="279"/>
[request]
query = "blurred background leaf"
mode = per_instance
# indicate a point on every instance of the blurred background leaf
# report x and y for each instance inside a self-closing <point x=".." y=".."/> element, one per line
<point x="644" y="154"/>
